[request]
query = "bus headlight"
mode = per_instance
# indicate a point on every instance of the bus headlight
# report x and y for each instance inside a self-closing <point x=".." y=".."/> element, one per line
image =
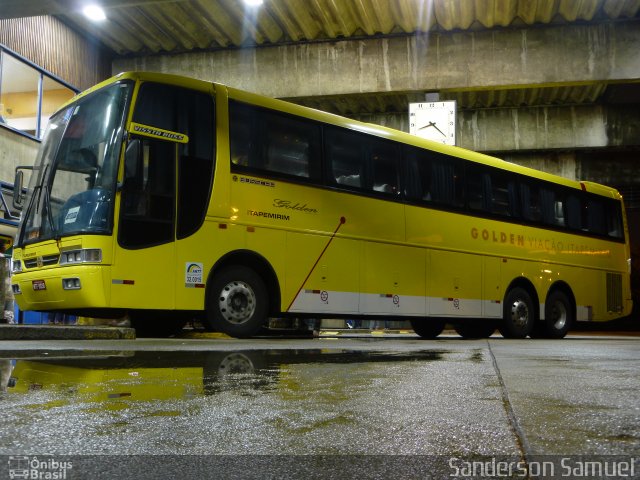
<point x="86" y="255"/>
<point x="16" y="266"/>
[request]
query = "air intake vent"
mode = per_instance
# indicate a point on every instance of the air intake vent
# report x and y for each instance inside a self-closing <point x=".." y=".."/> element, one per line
<point x="614" y="292"/>
<point x="41" y="261"/>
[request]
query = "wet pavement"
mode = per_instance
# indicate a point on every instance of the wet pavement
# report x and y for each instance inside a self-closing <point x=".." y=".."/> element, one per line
<point x="394" y="397"/>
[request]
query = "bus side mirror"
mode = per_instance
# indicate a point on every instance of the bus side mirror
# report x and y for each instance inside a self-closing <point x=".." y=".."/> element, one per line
<point x="132" y="159"/>
<point x="18" y="185"/>
<point x="17" y="190"/>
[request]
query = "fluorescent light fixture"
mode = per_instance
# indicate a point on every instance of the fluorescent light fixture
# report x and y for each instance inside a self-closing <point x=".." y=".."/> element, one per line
<point x="94" y="13"/>
<point x="253" y="3"/>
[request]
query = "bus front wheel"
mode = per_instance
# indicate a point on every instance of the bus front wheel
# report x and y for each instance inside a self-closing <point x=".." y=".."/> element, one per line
<point x="238" y="302"/>
<point x="427" y="327"/>
<point x="518" y="315"/>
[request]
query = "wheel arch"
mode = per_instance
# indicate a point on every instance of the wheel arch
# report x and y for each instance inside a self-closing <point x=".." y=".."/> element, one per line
<point x="526" y="284"/>
<point x="257" y="263"/>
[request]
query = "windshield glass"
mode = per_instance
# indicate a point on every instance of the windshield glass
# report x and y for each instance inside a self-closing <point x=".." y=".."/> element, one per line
<point x="73" y="181"/>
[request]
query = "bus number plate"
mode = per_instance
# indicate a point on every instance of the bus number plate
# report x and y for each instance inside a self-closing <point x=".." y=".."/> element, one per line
<point x="39" y="285"/>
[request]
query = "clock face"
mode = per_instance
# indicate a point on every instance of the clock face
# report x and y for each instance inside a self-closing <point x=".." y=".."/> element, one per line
<point x="434" y="120"/>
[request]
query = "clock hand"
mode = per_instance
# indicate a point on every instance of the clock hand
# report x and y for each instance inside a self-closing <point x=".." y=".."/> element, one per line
<point x="430" y="124"/>
<point x="433" y="124"/>
<point x="441" y="132"/>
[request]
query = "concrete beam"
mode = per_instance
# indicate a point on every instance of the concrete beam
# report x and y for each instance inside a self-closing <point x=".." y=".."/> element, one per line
<point x="509" y="58"/>
<point x="537" y="128"/>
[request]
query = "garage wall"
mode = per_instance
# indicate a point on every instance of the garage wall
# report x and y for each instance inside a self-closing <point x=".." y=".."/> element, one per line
<point x="52" y="45"/>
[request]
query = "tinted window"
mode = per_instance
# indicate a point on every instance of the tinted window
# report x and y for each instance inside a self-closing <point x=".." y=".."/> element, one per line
<point x="447" y="182"/>
<point x="148" y="196"/>
<point x="384" y="160"/>
<point x="345" y="158"/>
<point x="436" y="178"/>
<point x="530" y="201"/>
<point x="148" y="213"/>
<point x="613" y="216"/>
<point x="503" y="199"/>
<point x="418" y="177"/>
<point x="274" y="142"/>
<point x="477" y="185"/>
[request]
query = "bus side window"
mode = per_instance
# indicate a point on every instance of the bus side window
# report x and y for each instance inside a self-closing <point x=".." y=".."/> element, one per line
<point x="476" y="188"/>
<point x="291" y="146"/>
<point x="384" y="163"/>
<point x="242" y="133"/>
<point x="195" y="117"/>
<point x="447" y="182"/>
<point x="418" y="175"/>
<point x="576" y="210"/>
<point x="273" y="142"/>
<point x="613" y="217"/>
<point x="530" y="202"/>
<point x="596" y="222"/>
<point x="345" y="157"/>
<point x="503" y="198"/>
<point x="552" y="207"/>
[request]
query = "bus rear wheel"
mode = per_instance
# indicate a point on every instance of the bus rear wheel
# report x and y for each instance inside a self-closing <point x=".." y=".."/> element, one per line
<point x="558" y="317"/>
<point x="238" y="302"/>
<point x="477" y="329"/>
<point x="427" y="327"/>
<point x="519" y="315"/>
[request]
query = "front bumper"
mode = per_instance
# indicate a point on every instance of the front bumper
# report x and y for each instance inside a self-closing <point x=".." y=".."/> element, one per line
<point x="43" y="289"/>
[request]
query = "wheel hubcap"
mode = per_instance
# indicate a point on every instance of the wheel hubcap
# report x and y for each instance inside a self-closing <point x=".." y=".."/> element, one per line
<point x="237" y="302"/>
<point x="558" y="315"/>
<point x="519" y="313"/>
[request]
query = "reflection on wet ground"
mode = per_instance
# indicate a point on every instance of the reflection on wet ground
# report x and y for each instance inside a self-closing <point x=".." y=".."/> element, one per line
<point x="153" y="372"/>
<point x="393" y="397"/>
<point x="251" y="401"/>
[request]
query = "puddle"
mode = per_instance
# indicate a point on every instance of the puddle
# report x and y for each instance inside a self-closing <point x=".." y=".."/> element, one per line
<point x="131" y="376"/>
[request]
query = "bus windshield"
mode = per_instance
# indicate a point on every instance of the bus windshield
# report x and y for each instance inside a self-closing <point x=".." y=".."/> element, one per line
<point x="73" y="182"/>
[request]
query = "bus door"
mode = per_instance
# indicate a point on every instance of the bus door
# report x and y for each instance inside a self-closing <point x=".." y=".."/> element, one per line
<point x="166" y="189"/>
<point x="144" y="260"/>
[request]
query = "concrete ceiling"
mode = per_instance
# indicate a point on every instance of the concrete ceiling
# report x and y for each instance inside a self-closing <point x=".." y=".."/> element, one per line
<point x="155" y="26"/>
<point x="147" y="27"/>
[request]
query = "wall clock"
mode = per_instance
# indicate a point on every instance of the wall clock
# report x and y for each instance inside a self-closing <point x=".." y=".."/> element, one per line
<point x="434" y="120"/>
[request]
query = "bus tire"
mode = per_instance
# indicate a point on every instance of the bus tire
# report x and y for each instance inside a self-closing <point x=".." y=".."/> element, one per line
<point x="519" y="315"/>
<point x="428" y="328"/>
<point x="238" y="302"/>
<point x="558" y="316"/>
<point x="477" y="329"/>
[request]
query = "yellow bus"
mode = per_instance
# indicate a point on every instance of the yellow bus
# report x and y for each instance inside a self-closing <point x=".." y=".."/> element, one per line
<point x="166" y="198"/>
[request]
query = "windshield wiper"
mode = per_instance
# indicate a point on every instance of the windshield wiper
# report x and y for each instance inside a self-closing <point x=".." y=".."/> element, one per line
<point x="41" y="203"/>
<point x="47" y="199"/>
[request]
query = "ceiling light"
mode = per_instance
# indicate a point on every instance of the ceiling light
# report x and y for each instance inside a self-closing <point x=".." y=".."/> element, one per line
<point x="94" y="13"/>
<point x="253" y="3"/>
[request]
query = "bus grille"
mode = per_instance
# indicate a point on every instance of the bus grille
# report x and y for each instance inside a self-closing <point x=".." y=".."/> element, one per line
<point x="47" y="260"/>
<point x="614" y="292"/>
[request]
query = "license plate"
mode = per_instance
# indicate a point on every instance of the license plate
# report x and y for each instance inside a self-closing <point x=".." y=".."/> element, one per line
<point x="39" y="285"/>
